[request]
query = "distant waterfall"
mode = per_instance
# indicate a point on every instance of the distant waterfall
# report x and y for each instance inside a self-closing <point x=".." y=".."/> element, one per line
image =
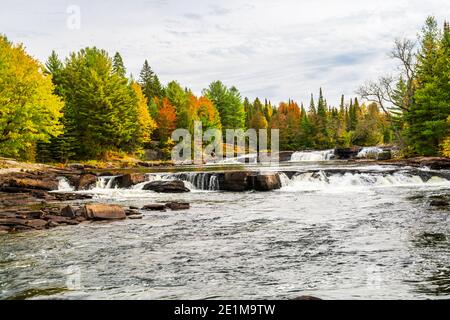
<point x="342" y="181"/>
<point x="369" y="153"/>
<point x="323" y="155"/>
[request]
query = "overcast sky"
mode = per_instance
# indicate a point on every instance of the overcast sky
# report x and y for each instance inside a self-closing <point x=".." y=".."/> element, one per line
<point x="274" y="49"/>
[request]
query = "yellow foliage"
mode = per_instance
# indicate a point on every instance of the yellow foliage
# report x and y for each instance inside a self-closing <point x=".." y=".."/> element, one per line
<point x="29" y="111"/>
<point x="145" y="122"/>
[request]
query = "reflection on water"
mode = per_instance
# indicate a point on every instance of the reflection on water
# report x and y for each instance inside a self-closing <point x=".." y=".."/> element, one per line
<point x="373" y="241"/>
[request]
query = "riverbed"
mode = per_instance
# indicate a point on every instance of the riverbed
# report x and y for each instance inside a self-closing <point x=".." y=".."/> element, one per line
<point x="331" y="231"/>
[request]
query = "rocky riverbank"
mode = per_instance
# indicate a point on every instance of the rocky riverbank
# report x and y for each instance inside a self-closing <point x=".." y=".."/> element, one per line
<point x="28" y="200"/>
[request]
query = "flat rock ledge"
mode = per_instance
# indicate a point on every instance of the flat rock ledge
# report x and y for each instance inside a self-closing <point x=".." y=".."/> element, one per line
<point x="51" y="216"/>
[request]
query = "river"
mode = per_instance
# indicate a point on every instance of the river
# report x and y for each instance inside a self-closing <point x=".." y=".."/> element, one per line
<point x="333" y="231"/>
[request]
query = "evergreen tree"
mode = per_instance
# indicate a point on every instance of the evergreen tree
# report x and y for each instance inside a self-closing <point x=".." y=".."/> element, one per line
<point x="118" y="65"/>
<point x="427" y="117"/>
<point x="101" y="106"/>
<point x="229" y="104"/>
<point x="149" y="81"/>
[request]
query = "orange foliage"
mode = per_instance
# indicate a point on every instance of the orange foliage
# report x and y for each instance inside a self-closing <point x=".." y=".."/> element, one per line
<point x="166" y="118"/>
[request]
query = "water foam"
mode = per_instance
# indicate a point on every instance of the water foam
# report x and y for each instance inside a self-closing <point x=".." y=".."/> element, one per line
<point x="323" y="155"/>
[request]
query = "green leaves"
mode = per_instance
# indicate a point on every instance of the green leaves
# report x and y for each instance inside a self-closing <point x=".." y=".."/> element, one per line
<point x="29" y="111"/>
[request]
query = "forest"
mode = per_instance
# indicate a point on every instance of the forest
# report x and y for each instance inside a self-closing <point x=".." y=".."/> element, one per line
<point x="85" y="106"/>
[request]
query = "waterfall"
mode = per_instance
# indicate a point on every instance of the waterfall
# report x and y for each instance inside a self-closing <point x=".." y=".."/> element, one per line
<point x="323" y="155"/>
<point x="64" y="185"/>
<point x="342" y="181"/>
<point x="369" y="153"/>
<point x="106" y="182"/>
<point x="251" y="158"/>
<point x="193" y="180"/>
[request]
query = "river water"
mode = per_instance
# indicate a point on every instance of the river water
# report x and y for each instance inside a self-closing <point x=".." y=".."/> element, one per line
<point x="332" y="231"/>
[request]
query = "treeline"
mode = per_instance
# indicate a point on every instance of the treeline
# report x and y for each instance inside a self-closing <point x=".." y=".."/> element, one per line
<point x="85" y="107"/>
<point x="416" y="101"/>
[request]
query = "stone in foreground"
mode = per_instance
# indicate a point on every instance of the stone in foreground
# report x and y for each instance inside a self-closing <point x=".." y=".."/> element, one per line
<point x="104" y="212"/>
<point x="178" y="205"/>
<point x="154" y="207"/>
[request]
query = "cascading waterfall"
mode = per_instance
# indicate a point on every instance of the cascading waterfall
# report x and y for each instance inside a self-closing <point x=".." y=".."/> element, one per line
<point x="106" y="182"/>
<point x="323" y="180"/>
<point x="64" y="185"/>
<point x="199" y="180"/>
<point x="369" y="153"/>
<point x="323" y="155"/>
<point x="251" y="158"/>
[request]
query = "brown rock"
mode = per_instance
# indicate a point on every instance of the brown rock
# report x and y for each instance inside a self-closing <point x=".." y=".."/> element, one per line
<point x="37" y="223"/>
<point x="178" y="205"/>
<point x="12" y="222"/>
<point x="172" y="186"/>
<point x="86" y="181"/>
<point x="52" y="224"/>
<point x="132" y="212"/>
<point x="265" y="182"/>
<point x="130" y="179"/>
<point x="154" y="207"/>
<point x="31" y="184"/>
<point x="135" y="217"/>
<point x="103" y="212"/>
<point x="68" y="211"/>
<point x="235" y="181"/>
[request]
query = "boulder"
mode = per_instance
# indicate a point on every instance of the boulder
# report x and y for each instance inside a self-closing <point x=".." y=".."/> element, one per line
<point x="154" y="207"/>
<point x="235" y="181"/>
<point x="68" y="211"/>
<point x="86" y="181"/>
<point x="384" y="155"/>
<point x="61" y="220"/>
<point x="103" y="212"/>
<point x="178" y="205"/>
<point x="132" y="212"/>
<point x="265" y="182"/>
<point x="439" y="203"/>
<point x="37" y="223"/>
<point x="346" y="153"/>
<point x="435" y="163"/>
<point x="28" y="184"/>
<point x="172" y="186"/>
<point x="130" y="179"/>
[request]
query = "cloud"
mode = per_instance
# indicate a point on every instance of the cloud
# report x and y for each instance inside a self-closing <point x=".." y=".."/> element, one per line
<point x="275" y="50"/>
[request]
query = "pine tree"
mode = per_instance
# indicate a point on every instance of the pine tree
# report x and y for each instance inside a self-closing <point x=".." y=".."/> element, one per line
<point x="427" y="117"/>
<point x="118" y="65"/>
<point x="229" y="104"/>
<point x="149" y="81"/>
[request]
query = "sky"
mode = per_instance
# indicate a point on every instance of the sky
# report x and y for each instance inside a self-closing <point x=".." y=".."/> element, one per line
<point x="277" y="50"/>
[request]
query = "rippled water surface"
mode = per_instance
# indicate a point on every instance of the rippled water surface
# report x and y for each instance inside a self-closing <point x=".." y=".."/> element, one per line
<point x="338" y="240"/>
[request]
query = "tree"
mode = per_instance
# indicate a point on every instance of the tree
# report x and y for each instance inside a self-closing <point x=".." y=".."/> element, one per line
<point x="118" y="65"/>
<point x="228" y="103"/>
<point x="29" y="110"/>
<point x="427" y="116"/>
<point x="101" y="106"/>
<point x="206" y="112"/>
<point x="149" y="81"/>
<point x="180" y="100"/>
<point x="166" y="119"/>
<point x="145" y="123"/>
